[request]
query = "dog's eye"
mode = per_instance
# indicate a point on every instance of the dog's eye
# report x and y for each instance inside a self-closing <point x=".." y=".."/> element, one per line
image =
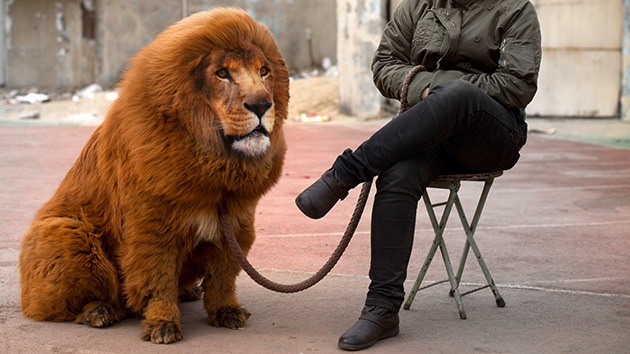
<point x="264" y="71"/>
<point x="223" y="74"/>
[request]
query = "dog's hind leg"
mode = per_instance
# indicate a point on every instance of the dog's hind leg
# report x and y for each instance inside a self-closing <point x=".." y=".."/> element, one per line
<point x="189" y="281"/>
<point x="66" y="275"/>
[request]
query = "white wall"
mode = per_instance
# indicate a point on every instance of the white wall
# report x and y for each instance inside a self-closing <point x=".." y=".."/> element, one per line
<point x="581" y="66"/>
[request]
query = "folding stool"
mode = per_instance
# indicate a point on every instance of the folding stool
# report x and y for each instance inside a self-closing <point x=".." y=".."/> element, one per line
<point x="453" y="184"/>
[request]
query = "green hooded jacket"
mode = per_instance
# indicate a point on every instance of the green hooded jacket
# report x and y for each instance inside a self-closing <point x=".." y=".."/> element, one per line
<point x="494" y="44"/>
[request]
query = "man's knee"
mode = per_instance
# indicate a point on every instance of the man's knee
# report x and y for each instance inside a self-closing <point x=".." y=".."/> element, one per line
<point x="403" y="179"/>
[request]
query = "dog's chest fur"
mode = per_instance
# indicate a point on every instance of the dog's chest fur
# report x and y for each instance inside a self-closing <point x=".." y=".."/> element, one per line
<point x="205" y="225"/>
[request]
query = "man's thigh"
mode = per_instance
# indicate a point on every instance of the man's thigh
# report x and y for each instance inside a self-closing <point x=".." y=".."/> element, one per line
<point x="487" y="146"/>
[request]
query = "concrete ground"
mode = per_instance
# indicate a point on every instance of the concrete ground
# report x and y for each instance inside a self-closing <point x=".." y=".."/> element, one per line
<point x="555" y="234"/>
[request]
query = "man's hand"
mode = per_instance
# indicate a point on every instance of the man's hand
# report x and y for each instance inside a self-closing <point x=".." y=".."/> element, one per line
<point x="424" y="94"/>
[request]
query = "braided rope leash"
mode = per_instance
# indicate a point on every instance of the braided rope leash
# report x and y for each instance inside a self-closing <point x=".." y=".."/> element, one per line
<point x="315" y="278"/>
<point x="343" y="243"/>
<point x="404" y="104"/>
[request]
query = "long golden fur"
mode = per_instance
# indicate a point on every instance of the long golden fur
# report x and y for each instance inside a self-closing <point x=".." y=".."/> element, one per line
<point x="133" y="226"/>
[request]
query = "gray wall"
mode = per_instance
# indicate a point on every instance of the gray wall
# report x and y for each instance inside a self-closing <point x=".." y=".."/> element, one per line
<point x="3" y="50"/>
<point x="290" y="21"/>
<point x="125" y="27"/>
<point x="47" y="45"/>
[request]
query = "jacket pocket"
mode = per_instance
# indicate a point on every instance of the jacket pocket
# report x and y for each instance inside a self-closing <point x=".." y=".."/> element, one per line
<point x="517" y="58"/>
<point x="427" y="40"/>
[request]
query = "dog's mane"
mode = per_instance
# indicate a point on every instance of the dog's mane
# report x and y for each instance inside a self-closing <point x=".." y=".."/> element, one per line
<point x="168" y="61"/>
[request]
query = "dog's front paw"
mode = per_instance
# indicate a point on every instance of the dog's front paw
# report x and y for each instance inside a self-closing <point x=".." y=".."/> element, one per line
<point x="98" y="314"/>
<point x="161" y="332"/>
<point x="230" y="317"/>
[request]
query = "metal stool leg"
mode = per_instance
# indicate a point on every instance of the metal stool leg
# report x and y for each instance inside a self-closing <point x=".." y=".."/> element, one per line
<point x="423" y="271"/>
<point x="438" y="241"/>
<point x="471" y="243"/>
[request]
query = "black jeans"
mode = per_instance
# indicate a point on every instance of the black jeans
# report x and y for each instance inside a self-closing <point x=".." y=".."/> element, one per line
<point x="456" y="129"/>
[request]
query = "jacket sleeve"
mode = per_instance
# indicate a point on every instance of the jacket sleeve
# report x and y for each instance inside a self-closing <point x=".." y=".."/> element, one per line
<point x="514" y="83"/>
<point x="392" y="61"/>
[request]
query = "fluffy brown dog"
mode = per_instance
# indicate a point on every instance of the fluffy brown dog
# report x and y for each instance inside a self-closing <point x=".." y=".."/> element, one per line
<point x="134" y="224"/>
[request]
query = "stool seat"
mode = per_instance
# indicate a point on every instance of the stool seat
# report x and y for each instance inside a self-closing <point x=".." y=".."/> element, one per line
<point x="481" y="176"/>
<point x="452" y="182"/>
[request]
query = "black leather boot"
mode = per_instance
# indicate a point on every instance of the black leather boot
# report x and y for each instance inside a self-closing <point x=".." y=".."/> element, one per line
<point x="375" y="323"/>
<point x="317" y="200"/>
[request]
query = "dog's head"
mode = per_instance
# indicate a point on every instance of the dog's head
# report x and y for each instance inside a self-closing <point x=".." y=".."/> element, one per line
<point x="221" y="74"/>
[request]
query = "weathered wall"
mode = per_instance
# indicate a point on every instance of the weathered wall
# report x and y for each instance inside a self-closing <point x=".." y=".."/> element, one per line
<point x="3" y="43"/>
<point x="358" y="36"/>
<point x="292" y="22"/>
<point x="126" y="26"/>
<point x="46" y="47"/>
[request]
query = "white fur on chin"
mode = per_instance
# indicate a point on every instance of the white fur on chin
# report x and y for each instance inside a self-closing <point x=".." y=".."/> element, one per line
<point x="253" y="145"/>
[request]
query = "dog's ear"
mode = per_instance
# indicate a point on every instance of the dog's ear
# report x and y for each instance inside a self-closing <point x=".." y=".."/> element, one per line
<point x="198" y="72"/>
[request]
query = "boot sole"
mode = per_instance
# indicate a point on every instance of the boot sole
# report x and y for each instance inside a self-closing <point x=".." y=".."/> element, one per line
<point x="392" y="332"/>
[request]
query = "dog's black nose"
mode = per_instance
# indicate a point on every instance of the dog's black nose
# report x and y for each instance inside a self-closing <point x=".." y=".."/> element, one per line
<point x="258" y="108"/>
